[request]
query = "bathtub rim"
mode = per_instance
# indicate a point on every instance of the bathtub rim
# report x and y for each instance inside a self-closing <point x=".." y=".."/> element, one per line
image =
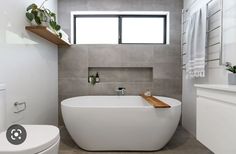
<point x="148" y="106"/>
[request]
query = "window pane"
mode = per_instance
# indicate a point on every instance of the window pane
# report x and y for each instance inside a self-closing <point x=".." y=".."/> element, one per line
<point x="142" y="30"/>
<point x="97" y="30"/>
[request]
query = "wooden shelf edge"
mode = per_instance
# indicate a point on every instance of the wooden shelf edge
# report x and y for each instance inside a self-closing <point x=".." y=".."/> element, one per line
<point x="156" y="103"/>
<point x="45" y="33"/>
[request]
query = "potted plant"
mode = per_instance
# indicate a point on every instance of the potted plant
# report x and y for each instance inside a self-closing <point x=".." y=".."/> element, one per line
<point x="43" y="17"/>
<point x="92" y="79"/>
<point x="232" y="74"/>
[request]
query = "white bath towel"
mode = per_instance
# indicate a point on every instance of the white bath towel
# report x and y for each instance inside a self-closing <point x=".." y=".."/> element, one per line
<point x="196" y="44"/>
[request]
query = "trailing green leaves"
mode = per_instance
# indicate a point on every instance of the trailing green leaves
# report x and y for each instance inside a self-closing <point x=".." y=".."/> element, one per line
<point x="57" y="27"/>
<point x="30" y="16"/>
<point x="32" y="7"/>
<point x="60" y="35"/>
<point x="230" y="68"/>
<point x="54" y="25"/>
<point x="42" y="14"/>
<point x="37" y="20"/>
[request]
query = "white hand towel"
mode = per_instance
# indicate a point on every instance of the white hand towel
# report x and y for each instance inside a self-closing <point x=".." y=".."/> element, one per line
<point x="196" y="44"/>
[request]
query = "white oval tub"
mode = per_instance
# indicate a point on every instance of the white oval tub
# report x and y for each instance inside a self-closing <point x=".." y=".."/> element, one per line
<point x="120" y="123"/>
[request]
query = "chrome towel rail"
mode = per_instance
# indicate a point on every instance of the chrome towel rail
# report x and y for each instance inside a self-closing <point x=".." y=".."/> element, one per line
<point x="220" y="42"/>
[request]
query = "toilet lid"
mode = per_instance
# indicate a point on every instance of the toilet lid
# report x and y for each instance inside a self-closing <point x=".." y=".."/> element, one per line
<point x="39" y="138"/>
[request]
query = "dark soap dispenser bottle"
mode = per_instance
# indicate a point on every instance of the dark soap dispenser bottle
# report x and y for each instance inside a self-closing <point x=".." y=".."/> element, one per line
<point x="97" y="78"/>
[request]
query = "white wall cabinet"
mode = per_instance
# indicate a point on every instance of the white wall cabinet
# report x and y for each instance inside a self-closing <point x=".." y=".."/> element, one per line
<point x="216" y="117"/>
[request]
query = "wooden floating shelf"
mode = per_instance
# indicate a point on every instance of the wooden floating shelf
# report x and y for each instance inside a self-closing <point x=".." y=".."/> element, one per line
<point x="156" y="103"/>
<point x="47" y="34"/>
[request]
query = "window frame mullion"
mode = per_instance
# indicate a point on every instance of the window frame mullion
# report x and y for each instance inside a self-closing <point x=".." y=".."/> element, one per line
<point x="120" y="29"/>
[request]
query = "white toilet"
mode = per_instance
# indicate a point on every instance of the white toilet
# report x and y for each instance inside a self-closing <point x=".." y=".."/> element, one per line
<point x="41" y="139"/>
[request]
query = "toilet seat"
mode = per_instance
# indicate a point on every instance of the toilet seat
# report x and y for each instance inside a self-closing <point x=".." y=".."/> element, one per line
<point x="39" y="138"/>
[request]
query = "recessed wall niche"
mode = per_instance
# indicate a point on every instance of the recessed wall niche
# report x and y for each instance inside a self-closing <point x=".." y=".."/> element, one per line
<point x="123" y="74"/>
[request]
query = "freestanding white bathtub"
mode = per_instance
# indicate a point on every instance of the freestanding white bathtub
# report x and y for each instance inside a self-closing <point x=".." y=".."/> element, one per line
<point x="120" y="123"/>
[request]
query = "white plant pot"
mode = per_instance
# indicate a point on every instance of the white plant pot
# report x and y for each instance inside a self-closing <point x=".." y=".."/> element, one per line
<point x="46" y="24"/>
<point x="232" y="78"/>
<point x="33" y="23"/>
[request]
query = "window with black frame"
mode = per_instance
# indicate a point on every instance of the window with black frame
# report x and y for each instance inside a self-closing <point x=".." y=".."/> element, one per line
<point x="120" y="29"/>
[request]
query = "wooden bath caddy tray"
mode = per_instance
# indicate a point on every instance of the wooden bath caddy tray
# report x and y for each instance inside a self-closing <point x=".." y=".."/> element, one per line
<point x="156" y="103"/>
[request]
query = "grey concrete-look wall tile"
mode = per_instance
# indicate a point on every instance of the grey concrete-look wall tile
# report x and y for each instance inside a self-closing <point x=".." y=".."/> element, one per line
<point x="104" y="55"/>
<point x="167" y="71"/>
<point x="176" y="96"/>
<point x="136" y="75"/>
<point x="73" y="62"/>
<point x="103" y="89"/>
<point x="72" y="86"/>
<point x="137" y="64"/>
<point x="168" y="86"/>
<point x="137" y="53"/>
<point x="174" y="37"/>
<point x="150" y="5"/>
<point x="104" y="5"/>
<point x="167" y="54"/>
<point x="175" y="28"/>
<point x="176" y="20"/>
<point x="138" y="87"/>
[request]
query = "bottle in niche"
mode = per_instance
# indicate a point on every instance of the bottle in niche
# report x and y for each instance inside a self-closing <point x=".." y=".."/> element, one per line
<point x="90" y="78"/>
<point x="148" y="93"/>
<point x="97" y="77"/>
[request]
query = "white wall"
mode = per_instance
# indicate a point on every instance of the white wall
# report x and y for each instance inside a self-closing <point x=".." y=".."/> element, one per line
<point x="216" y="74"/>
<point x="28" y="66"/>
